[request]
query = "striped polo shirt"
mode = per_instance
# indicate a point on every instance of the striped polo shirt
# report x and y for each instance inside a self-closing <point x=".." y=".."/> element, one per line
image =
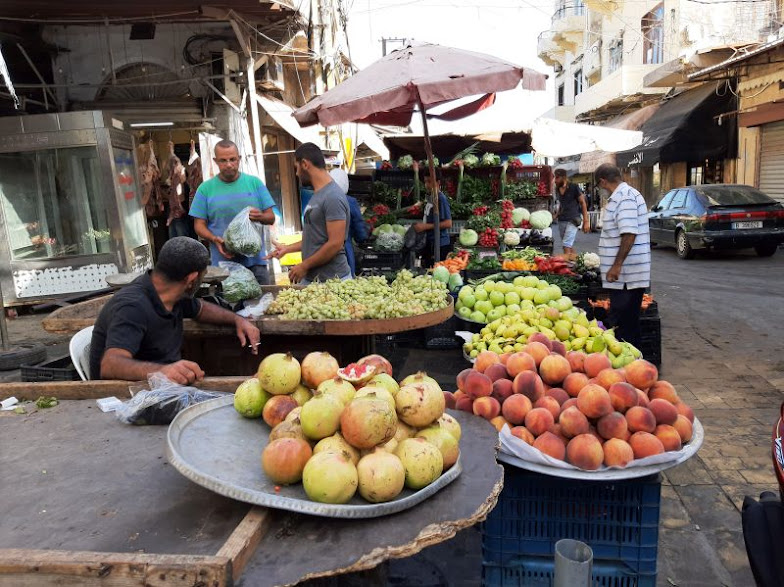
<point x="626" y="213"/>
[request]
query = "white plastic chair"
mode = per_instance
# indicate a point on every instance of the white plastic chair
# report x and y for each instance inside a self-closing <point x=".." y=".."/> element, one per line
<point x="79" y="348"/>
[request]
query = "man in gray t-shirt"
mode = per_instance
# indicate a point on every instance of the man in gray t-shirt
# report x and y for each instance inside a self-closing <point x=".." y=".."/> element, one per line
<point x="325" y="223"/>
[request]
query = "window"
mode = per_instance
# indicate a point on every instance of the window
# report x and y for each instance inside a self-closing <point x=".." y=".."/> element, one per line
<point x="664" y="203"/>
<point x="578" y="81"/>
<point x="652" y="26"/>
<point x="679" y="201"/>
<point x="561" y="100"/>
<point x="616" y="55"/>
<point x="708" y="171"/>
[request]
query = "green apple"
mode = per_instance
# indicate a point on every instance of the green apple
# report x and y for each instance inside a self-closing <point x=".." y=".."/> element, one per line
<point x="483" y="306"/>
<point x="468" y="301"/>
<point x="489" y="286"/>
<point x="504" y="287"/>
<point x="542" y="284"/>
<point x="511" y="298"/>
<point x="480" y="293"/>
<point x="496" y="298"/>
<point x="555" y="289"/>
<point x="495" y="313"/>
<point x="546" y="323"/>
<point x="530" y="281"/>
<point x="563" y="303"/>
<point x="512" y="308"/>
<point x="529" y="293"/>
<point x="519" y="281"/>
<point x="465" y="312"/>
<point x="477" y="316"/>
<point x="527" y="305"/>
<point x="466" y="290"/>
<point x="542" y="296"/>
<point x="459" y="304"/>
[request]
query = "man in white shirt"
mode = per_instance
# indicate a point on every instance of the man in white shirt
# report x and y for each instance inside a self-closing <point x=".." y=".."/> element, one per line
<point x="625" y="252"/>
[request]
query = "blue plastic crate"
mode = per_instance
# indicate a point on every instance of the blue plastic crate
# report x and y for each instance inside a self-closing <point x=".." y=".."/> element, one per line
<point x="619" y="520"/>
<point x="539" y="572"/>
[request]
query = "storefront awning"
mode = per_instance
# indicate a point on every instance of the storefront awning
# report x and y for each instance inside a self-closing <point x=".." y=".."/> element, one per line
<point x="281" y="114"/>
<point x="688" y="127"/>
<point x="629" y="121"/>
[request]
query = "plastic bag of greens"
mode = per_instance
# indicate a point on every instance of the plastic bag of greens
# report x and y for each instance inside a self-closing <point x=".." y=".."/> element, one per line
<point x="243" y="236"/>
<point x="240" y="285"/>
<point x="164" y="400"/>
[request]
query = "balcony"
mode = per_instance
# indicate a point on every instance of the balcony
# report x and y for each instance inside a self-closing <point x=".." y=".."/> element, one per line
<point x="568" y="25"/>
<point x="548" y="50"/>
<point x="622" y="86"/>
<point x="605" y="7"/>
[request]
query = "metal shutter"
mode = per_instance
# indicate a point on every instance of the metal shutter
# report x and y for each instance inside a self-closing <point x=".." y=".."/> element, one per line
<point x="772" y="160"/>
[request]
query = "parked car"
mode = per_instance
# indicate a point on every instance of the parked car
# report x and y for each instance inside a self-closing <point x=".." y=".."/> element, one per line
<point x="717" y="217"/>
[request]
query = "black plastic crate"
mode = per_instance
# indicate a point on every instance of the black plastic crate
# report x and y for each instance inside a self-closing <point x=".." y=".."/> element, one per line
<point x="540" y="572"/>
<point x="59" y="369"/>
<point x="650" y="339"/>
<point x="380" y="261"/>
<point x="442" y="336"/>
<point x="395" y="178"/>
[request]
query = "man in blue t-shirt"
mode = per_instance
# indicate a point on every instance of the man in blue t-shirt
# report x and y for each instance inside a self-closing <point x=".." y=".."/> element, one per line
<point x="428" y="223"/>
<point x="220" y="199"/>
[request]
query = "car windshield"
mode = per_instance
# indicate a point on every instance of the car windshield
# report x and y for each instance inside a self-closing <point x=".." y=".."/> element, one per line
<point x="733" y="195"/>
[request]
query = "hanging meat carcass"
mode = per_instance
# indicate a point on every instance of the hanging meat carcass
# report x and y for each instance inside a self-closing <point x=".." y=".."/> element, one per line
<point x="175" y="178"/>
<point x="193" y="175"/>
<point x="151" y="176"/>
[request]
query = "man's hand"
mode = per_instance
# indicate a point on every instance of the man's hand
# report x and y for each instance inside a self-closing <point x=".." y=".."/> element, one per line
<point x="586" y="226"/>
<point x="278" y="251"/>
<point x="297" y="273"/>
<point x="256" y="215"/>
<point x="614" y="273"/>
<point x="248" y="334"/>
<point x="420" y="227"/>
<point x="183" y="372"/>
<point x="222" y="248"/>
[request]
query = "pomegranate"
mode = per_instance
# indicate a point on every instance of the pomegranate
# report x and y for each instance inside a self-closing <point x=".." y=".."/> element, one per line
<point x="451" y="425"/>
<point x="336" y="443"/>
<point x="422" y="461"/>
<point x="340" y="389"/>
<point x="284" y="460"/>
<point x="367" y="422"/>
<point x="293" y="414"/>
<point x="318" y="367"/>
<point x="385" y="381"/>
<point x="356" y="373"/>
<point x="377" y="392"/>
<point x="301" y="394"/>
<point x="277" y="408"/>
<point x="330" y="477"/>
<point x="419" y="404"/>
<point x="381" y="364"/>
<point x="443" y="441"/>
<point x="249" y="399"/>
<point x="420" y="377"/>
<point x="320" y="417"/>
<point x="404" y="431"/>
<point x="288" y="429"/>
<point x="381" y="476"/>
<point x="279" y="374"/>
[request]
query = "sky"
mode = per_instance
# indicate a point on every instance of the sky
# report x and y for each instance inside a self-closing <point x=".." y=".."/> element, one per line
<point x="504" y="28"/>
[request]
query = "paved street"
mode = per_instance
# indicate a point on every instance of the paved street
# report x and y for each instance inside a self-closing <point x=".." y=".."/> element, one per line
<point x="721" y="316"/>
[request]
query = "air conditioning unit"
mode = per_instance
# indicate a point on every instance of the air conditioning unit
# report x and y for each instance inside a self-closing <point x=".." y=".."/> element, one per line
<point x="270" y="74"/>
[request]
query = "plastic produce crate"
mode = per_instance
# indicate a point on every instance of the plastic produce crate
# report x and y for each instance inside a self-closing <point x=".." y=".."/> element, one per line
<point x="650" y="338"/>
<point x="539" y="572"/>
<point x="396" y="178"/>
<point x="442" y="336"/>
<point x="619" y="520"/>
<point x="59" y="369"/>
<point x="380" y="261"/>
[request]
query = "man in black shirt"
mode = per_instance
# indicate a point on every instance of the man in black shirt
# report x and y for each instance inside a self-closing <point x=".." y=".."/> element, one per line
<point x="572" y="210"/>
<point x="139" y="331"/>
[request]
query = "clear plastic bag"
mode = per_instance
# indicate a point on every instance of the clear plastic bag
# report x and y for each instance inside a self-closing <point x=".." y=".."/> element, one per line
<point x="164" y="400"/>
<point x="256" y="308"/>
<point x="242" y="235"/>
<point x="240" y="285"/>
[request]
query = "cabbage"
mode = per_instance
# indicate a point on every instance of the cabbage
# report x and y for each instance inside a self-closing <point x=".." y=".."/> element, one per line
<point x="541" y="219"/>
<point x="389" y="242"/>
<point x="455" y="282"/>
<point x="520" y="215"/>
<point x="382" y="228"/>
<point x="400" y="229"/>
<point x="471" y="161"/>
<point x="468" y="237"/>
<point x="511" y="238"/>
<point x="405" y="162"/>
<point x="441" y="274"/>
<point x="489" y="159"/>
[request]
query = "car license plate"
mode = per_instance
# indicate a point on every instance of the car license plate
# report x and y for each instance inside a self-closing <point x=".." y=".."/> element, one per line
<point x="747" y="224"/>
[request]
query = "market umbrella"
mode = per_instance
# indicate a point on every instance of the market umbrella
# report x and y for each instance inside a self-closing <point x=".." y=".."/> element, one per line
<point x="418" y="77"/>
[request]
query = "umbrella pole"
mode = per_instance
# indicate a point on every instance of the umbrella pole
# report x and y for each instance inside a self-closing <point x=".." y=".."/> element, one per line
<point x="432" y="170"/>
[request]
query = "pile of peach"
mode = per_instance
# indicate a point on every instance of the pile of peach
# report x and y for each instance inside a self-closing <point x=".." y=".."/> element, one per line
<point x="575" y="407"/>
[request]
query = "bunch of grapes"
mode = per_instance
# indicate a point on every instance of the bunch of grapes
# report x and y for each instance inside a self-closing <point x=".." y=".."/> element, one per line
<point x="506" y="214"/>
<point x="489" y="238"/>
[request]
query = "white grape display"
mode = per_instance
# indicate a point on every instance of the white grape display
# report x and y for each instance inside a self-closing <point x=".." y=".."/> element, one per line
<point x="363" y="298"/>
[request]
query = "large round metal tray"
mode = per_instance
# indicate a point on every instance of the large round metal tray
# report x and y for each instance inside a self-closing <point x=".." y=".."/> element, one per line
<point x="213" y="446"/>
<point x="688" y="451"/>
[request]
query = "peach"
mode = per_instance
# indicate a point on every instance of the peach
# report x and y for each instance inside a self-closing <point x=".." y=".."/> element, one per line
<point x="642" y="398"/>
<point x="612" y="425"/>
<point x="558" y="431"/>
<point x="523" y="434"/>
<point x="685" y="410"/>
<point x="557" y="394"/>
<point x="663" y="411"/>
<point x="623" y="396"/>
<point x="594" y="401"/>
<point x="669" y="436"/>
<point x="529" y="384"/>
<point x="617" y="453"/>
<point x="478" y="385"/>
<point x="539" y="421"/>
<point x="645" y="444"/>
<point x="606" y="377"/>
<point x="487" y="407"/>
<point x="502" y="389"/>
<point x="499" y="423"/>
<point x="449" y="399"/>
<point x="496" y="371"/>
<point x="553" y="369"/>
<point x="519" y="362"/>
<point x="640" y="419"/>
<point x="576" y="361"/>
<point x="595" y="363"/>
<point x="546" y="387"/>
<point x="572" y="401"/>
<point x="539" y="337"/>
<point x="277" y="408"/>
<point x="574" y="382"/>
<point x="515" y="408"/>
<point x="573" y="422"/>
<point x="458" y="394"/>
<point x="461" y="377"/>
<point x="484" y="359"/>
<point x="537" y="350"/>
<point x="504" y="358"/>
<point x="465" y="403"/>
<point x="551" y="445"/>
<point x="595" y="433"/>
<point x="585" y="451"/>
<point x="641" y="374"/>
<point x="550" y="404"/>
<point x="559" y="348"/>
<point x="684" y="427"/>
<point x="664" y="390"/>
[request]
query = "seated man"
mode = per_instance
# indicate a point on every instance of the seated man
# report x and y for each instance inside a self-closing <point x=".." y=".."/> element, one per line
<point x="139" y="331"/>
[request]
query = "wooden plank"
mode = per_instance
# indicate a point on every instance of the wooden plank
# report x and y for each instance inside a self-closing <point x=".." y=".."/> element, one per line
<point x="42" y="568"/>
<point x="245" y="539"/>
<point x="97" y="389"/>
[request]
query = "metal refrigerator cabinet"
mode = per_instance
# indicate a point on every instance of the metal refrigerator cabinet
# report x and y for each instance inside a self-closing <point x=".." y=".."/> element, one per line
<point x="70" y="205"/>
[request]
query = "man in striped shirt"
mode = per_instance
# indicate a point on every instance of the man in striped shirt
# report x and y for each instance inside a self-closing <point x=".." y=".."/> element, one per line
<point x="625" y="252"/>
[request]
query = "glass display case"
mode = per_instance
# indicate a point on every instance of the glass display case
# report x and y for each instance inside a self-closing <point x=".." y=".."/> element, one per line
<point x="70" y="205"/>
